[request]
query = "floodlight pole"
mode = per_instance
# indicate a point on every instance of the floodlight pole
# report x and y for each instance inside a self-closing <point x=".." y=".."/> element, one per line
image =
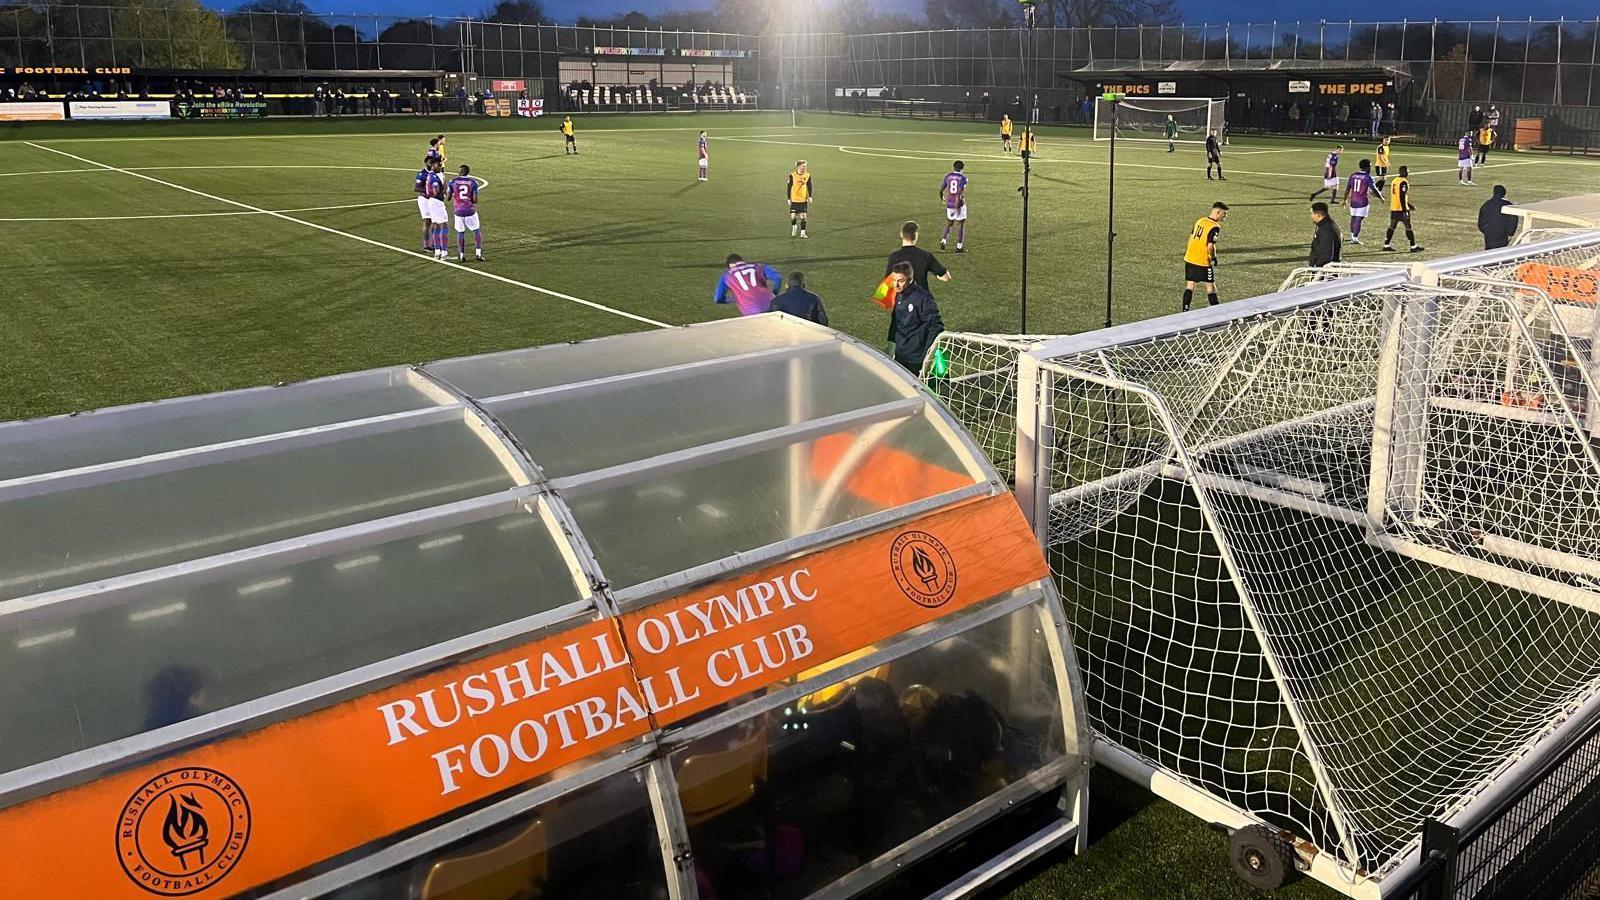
<point x="1111" y="200"/>
<point x="1028" y="52"/>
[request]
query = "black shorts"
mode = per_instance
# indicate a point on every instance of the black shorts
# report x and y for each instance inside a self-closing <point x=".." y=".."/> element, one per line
<point x="1004" y="136"/>
<point x="1398" y="216"/>
<point x="802" y="207"/>
<point x="1199" y="274"/>
<point x="1214" y="158"/>
<point x="572" y="139"/>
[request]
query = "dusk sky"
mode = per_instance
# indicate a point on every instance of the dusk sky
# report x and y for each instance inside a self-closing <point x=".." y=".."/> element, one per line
<point x="1195" y="11"/>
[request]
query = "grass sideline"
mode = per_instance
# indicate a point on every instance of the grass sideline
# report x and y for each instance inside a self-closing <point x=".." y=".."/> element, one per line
<point x="284" y="250"/>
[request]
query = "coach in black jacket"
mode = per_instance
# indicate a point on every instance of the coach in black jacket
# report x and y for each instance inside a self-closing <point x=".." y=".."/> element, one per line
<point x="915" y="321"/>
<point x="1326" y="243"/>
<point x="1497" y="227"/>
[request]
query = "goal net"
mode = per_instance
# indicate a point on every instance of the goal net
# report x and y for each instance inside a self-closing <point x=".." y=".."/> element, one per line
<point x="1145" y="118"/>
<point x="979" y="386"/>
<point x="1332" y="556"/>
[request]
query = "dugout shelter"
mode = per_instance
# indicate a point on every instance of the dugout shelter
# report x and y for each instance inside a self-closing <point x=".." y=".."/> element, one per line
<point x="728" y="610"/>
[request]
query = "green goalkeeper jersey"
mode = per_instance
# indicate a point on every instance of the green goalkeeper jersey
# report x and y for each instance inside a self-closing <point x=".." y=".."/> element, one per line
<point x="1172" y="129"/>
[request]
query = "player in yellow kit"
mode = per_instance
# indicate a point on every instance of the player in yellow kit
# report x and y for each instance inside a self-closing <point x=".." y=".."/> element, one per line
<point x="1400" y="208"/>
<point x="800" y="191"/>
<point x="1005" y="132"/>
<point x="1380" y="166"/>
<point x="571" y="144"/>
<point x="1200" y="256"/>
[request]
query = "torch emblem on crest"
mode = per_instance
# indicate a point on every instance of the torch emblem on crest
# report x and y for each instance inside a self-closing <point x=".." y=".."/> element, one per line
<point x="923" y="568"/>
<point x="184" y="830"/>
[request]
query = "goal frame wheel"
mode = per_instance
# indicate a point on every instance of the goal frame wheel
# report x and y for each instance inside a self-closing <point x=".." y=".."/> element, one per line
<point x="1260" y="857"/>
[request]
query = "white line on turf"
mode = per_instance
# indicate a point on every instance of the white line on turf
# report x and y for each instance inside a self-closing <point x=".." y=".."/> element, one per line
<point x="203" y="215"/>
<point x="356" y="237"/>
<point x="935" y="155"/>
<point x="520" y="134"/>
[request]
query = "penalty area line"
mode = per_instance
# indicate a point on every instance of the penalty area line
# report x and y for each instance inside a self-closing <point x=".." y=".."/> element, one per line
<point x="356" y="237"/>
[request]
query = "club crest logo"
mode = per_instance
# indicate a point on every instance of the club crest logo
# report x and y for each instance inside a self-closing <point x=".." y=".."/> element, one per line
<point x="923" y="568"/>
<point x="183" y="831"/>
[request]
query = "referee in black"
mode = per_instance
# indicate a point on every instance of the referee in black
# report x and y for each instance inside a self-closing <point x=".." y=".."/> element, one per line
<point x="922" y="262"/>
<point x="1214" y="156"/>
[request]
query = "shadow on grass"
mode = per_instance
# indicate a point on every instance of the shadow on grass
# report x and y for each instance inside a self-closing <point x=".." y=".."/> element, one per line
<point x="1141" y="847"/>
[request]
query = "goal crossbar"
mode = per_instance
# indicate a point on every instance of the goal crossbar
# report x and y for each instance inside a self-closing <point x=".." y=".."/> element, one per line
<point x="1145" y="118"/>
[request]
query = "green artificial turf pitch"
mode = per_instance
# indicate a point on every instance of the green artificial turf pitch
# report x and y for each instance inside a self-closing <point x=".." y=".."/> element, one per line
<point x="150" y="261"/>
<point x="100" y="308"/>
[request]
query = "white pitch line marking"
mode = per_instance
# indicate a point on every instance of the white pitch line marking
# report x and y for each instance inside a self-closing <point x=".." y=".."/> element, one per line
<point x="933" y="155"/>
<point x="205" y="215"/>
<point x="384" y="134"/>
<point x="210" y="215"/>
<point x="365" y="240"/>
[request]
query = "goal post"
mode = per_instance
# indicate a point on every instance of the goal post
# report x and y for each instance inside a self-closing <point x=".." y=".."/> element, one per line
<point x="1145" y="118"/>
<point x="1332" y="555"/>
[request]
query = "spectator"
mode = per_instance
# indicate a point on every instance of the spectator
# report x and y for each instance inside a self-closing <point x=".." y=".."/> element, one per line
<point x="921" y="261"/>
<point x="1325" y="244"/>
<point x="1497" y="227"/>
<point x="914" y="323"/>
<point x="174" y="694"/>
<point x="1294" y="117"/>
<point x="799" y="302"/>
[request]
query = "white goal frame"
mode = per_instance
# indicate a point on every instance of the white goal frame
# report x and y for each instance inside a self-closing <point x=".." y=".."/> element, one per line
<point x="1216" y="118"/>
<point x="1102" y="416"/>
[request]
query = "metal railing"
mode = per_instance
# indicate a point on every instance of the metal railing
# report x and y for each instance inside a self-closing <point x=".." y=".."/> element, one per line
<point x="1537" y="842"/>
<point x="1544" y="63"/>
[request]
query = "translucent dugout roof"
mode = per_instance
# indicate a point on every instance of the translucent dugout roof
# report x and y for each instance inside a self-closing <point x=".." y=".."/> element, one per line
<point x="232" y="555"/>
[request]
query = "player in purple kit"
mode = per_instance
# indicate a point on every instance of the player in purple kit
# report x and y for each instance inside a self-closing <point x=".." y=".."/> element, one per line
<point x="1464" y="159"/>
<point x="420" y="187"/>
<point x="1359" y="193"/>
<point x="1330" y="175"/>
<point x="438" y="215"/>
<point x="752" y="285"/>
<point x="705" y="160"/>
<point x="463" y="190"/>
<point x="953" y="191"/>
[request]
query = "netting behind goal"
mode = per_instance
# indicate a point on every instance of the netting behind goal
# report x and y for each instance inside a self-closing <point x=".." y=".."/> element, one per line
<point x="1145" y="118"/>
<point x="979" y="386"/>
<point x="1333" y="558"/>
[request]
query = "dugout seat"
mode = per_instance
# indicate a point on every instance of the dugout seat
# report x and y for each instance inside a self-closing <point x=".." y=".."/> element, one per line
<point x="713" y="783"/>
<point x="514" y="870"/>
